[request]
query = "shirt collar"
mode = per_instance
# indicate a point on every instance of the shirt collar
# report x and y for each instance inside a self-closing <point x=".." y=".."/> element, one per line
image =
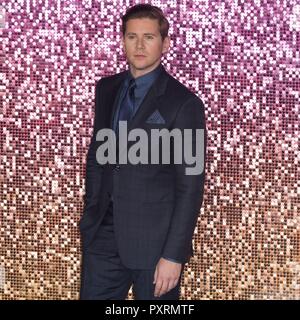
<point x="146" y="79"/>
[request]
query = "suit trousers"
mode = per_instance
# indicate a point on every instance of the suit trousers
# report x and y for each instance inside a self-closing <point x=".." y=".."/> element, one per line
<point x="104" y="277"/>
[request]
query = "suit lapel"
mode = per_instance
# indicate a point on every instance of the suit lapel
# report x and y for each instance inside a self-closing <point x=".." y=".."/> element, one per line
<point x="113" y="97"/>
<point x="150" y="102"/>
<point x="148" y="105"/>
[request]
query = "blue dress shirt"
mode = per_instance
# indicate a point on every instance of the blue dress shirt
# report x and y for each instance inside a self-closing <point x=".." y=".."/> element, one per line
<point x="143" y="84"/>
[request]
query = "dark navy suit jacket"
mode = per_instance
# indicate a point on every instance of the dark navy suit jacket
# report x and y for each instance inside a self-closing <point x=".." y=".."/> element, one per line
<point x="156" y="206"/>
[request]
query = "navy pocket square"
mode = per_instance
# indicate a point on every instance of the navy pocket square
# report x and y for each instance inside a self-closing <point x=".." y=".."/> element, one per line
<point x="156" y="117"/>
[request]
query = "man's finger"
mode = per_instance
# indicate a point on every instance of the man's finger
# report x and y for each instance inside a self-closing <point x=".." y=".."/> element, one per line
<point x="155" y="276"/>
<point x="172" y="285"/>
<point x="163" y="288"/>
<point x="158" y="286"/>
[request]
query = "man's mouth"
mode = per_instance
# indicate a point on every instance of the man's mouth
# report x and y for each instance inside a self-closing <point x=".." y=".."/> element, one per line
<point x="139" y="56"/>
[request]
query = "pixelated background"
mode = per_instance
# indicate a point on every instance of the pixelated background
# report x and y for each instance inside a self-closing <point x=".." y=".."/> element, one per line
<point x="240" y="57"/>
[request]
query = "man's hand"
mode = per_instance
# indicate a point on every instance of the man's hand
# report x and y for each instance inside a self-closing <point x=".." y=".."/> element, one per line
<point x="166" y="276"/>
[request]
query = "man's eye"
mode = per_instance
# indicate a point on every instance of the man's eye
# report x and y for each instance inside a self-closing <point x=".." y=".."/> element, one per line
<point x="149" y="37"/>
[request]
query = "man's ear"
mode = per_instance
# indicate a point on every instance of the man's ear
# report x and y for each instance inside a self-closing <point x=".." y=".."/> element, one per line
<point x="166" y="44"/>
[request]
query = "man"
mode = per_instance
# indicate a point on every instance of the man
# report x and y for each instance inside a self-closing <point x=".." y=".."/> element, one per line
<point x="139" y="220"/>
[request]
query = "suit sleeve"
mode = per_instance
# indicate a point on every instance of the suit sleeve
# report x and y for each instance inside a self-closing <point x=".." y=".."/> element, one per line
<point x="93" y="168"/>
<point x="173" y="260"/>
<point x="188" y="189"/>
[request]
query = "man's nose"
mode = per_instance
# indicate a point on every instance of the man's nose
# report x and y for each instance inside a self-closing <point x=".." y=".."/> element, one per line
<point x="140" y="43"/>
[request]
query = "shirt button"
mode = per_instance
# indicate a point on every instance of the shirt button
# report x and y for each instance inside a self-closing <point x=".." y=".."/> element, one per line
<point x="117" y="167"/>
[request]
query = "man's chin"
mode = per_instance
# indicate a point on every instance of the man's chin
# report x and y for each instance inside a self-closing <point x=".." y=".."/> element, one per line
<point x="140" y="66"/>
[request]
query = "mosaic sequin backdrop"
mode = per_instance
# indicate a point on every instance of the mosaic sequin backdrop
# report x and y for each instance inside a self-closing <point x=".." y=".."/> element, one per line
<point x="240" y="57"/>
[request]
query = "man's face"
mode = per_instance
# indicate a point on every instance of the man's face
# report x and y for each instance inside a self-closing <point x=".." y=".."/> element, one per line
<point x="143" y="45"/>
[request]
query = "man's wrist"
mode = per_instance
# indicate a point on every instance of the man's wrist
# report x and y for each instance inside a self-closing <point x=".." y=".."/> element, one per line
<point x="172" y="260"/>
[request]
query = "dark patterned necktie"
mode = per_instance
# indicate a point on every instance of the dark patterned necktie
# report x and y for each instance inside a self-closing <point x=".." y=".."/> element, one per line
<point x="127" y="105"/>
